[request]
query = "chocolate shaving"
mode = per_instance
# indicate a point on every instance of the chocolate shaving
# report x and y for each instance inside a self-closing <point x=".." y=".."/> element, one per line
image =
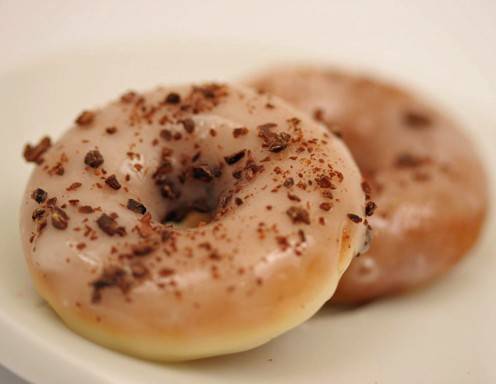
<point x="366" y="187"/>
<point x="52" y="202"/>
<point x="111" y="130"/>
<point x="298" y="215"/>
<point x="57" y="169"/>
<point x="164" y="169"/>
<point x="111" y="277"/>
<point x="138" y="270"/>
<point x="93" y="159"/>
<point x="327" y="194"/>
<point x="176" y="215"/>
<point x="164" y="272"/>
<point x="85" y="118"/>
<point x="34" y="154"/>
<point x="355" y="218"/>
<point x="293" y="197"/>
<point x="318" y="115"/>
<point x="324" y="182"/>
<point x="37" y="214"/>
<point x="73" y="186"/>
<point x="169" y="191"/>
<point x="143" y="249"/>
<point x="370" y="208"/>
<point x="60" y="220"/>
<point x="235" y="157"/>
<point x="39" y="195"/>
<point x="189" y="125"/>
<point x="251" y="169"/>
<point x="407" y="160"/>
<point x="128" y="97"/>
<point x="416" y="120"/>
<point x="275" y="142"/>
<point x="166" y="134"/>
<point x="112" y="182"/>
<point x="108" y="225"/>
<point x="202" y="173"/>
<point x="136" y="206"/>
<point x="202" y="205"/>
<point x="237" y="132"/>
<point x="173" y="98"/>
<point x="85" y="209"/>
<point x="289" y="182"/>
<point x="325" y="206"/>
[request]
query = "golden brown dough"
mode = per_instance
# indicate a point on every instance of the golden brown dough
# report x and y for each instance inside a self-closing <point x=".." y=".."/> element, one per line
<point x="424" y="174"/>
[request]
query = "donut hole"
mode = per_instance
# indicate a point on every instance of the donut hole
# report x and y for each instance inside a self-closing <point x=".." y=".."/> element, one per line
<point x="190" y="214"/>
<point x="200" y="177"/>
<point x="192" y="192"/>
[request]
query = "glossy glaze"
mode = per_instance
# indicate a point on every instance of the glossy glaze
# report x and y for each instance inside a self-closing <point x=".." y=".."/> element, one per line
<point x="247" y="274"/>
<point x="426" y="177"/>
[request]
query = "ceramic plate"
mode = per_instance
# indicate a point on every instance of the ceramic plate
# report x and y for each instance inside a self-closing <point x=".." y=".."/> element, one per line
<point x="444" y="333"/>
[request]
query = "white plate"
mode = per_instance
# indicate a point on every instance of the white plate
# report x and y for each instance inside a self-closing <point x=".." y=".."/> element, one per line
<point x="442" y="334"/>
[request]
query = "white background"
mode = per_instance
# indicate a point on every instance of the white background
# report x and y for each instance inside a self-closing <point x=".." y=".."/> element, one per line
<point x="399" y="36"/>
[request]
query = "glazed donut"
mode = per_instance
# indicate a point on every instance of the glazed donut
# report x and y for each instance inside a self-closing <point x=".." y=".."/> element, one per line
<point x="423" y="174"/>
<point x="190" y="221"/>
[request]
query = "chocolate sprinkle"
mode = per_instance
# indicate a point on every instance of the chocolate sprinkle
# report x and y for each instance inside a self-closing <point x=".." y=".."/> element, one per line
<point x="93" y="159"/>
<point x="136" y="206"/>
<point x="39" y="195"/>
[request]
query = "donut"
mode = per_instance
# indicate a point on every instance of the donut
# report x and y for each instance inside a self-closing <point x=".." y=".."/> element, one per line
<point x="421" y="171"/>
<point x="190" y="221"/>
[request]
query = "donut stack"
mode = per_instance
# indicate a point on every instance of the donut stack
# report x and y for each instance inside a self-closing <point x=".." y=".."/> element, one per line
<point x="206" y="219"/>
